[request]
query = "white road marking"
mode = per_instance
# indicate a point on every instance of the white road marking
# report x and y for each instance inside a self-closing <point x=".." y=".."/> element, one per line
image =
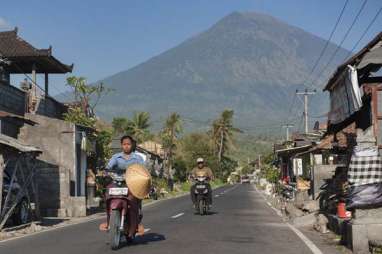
<point x="216" y="196"/>
<point x="103" y="216"/>
<point x="177" y="216"/>
<point x="309" y="243"/>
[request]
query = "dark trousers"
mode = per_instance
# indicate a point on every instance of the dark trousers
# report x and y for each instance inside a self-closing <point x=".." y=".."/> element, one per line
<point x="209" y="194"/>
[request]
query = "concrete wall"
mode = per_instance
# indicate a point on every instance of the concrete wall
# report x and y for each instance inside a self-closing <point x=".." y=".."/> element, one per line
<point x="57" y="173"/>
<point x="319" y="174"/>
<point x="12" y="99"/>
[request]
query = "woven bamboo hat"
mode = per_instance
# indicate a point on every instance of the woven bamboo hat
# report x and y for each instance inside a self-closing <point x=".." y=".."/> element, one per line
<point x="138" y="180"/>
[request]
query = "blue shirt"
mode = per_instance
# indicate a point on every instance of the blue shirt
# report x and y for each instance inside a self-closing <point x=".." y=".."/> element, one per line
<point x="119" y="161"/>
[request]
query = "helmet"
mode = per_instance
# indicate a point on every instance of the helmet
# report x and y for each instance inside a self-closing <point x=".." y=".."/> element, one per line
<point x="199" y="160"/>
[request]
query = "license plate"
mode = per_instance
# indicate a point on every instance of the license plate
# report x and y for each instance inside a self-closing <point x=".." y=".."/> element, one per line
<point x="118" y="191"/>
<point x="200" y="186"/>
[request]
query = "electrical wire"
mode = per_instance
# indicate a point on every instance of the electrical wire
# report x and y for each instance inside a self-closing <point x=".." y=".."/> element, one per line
<point x="328" y="41"/>
<point x="342" y="41"/>
<point x="364" y="33"/>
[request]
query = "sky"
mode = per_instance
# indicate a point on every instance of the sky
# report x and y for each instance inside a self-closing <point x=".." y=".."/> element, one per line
<point x="102" y="38"/>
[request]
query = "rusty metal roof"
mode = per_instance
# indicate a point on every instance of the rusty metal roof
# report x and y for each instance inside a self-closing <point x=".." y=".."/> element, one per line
<point x="16" y="144"/>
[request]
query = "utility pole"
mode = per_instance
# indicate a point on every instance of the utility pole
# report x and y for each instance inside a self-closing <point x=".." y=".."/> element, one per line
<point x="287" y="126"/>
<point x="306" y="93"/>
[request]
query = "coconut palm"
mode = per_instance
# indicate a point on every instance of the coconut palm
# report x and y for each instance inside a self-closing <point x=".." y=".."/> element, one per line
<point x="138" y="126"/>
<point x="169" y="134"/>
<point x="119" y="125"/>
<point x="223" y="132"/>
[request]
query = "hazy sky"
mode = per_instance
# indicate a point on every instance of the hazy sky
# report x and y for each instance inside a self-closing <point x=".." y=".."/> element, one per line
<point x="104" y="37"/>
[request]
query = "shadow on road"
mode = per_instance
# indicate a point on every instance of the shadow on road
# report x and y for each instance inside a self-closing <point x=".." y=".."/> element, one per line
<point x="52" y="221"/>
<point x="142" y="240"/>
<point x="148" y="238"/>
<point x="208" y="214"/>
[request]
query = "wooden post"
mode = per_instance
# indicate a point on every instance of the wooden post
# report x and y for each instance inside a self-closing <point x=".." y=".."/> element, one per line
<point x="1" y="179"/>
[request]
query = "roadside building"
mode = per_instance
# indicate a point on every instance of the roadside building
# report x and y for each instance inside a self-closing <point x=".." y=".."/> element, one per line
<point x="30" y="114"/>
<point x="355" y="90"/>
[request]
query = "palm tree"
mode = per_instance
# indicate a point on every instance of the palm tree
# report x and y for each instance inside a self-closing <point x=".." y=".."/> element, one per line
<point x="222" y="133"/>
<point x="119" y="125"/>
<point x="170" y="132"/>
<point x="138" y="126"/>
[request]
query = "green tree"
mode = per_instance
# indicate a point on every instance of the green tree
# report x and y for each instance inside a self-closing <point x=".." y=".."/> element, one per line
<point x="169" y="135"/>
<point x="138" y="126"/>
<point x="82" y="113"/>
<point x="86" y="96"/>
<point x="119" y="125"/>
<point x="223" y="132"/>
<point x="195" y="145"/>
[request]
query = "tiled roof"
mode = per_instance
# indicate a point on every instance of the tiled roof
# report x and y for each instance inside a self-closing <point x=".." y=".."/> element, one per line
<point x="22" y="55"/>
<point x="13" y="46"/>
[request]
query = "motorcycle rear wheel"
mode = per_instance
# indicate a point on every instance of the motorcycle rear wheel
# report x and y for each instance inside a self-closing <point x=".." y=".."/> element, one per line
<point x="115" y="231"/>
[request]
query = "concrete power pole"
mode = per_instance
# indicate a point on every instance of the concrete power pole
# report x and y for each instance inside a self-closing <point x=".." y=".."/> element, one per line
<point x="287" y="126"/>
<point x="306" y="93"/>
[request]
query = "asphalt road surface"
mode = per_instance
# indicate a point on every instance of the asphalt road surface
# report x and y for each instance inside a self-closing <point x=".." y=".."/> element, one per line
<point x="241" y="222"/>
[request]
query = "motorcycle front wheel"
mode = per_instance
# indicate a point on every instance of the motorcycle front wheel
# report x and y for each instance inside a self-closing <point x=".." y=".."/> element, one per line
<point x="115" y="231"/>
<point x="201" y="206"/>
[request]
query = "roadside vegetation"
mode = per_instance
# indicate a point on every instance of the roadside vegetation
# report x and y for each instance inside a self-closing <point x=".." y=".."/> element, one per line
<point x="217" y="145"/>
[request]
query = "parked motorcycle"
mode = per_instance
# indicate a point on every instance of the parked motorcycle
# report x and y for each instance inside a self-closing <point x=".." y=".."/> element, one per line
<point x="153" y="193"/>
<point x="201" y="192"/>
<point x="117" y="207"/>
<point x="288" y="192"/>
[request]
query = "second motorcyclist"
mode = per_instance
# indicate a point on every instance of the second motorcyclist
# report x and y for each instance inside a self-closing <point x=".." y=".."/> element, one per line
<point x="201" y="169"/>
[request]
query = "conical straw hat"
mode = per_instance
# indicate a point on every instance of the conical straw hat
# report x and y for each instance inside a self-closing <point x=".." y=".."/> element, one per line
<point x="138" y="180"/>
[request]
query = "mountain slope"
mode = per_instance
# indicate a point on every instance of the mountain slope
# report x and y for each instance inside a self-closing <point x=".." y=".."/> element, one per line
<point x="249" y="62"/>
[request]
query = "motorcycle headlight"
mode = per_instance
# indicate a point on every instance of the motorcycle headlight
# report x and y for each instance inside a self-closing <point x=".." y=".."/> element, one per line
<point x="117" y="177"/>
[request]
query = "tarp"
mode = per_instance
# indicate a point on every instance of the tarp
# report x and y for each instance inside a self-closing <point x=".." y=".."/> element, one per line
<point x="345" y="99"/>
<point x="364" y="196"/>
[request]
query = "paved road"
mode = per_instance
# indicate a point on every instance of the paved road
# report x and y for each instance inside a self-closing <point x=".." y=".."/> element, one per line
<point x="241" y="223"/>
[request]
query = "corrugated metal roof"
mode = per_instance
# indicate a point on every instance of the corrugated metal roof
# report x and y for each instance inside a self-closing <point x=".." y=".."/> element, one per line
<point x="354" y="61"/>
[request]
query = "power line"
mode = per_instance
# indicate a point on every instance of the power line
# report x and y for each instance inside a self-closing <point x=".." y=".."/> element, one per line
<point x="365" y="32"/>
<point x="342" y="41"/>
<point x="328" y="41"/>
<point x="291" y="107"/>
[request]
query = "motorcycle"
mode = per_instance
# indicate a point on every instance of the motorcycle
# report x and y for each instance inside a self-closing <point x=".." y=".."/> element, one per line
<point x="288" y="192"/>
<point x="117" y="207"/>
<point x="201" y="192"/>
<point x="153" y="193"/>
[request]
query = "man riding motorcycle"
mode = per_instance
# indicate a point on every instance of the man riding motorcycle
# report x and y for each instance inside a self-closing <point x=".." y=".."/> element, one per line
<point x="199" y="170"/>
<point x="121" y="161"/>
